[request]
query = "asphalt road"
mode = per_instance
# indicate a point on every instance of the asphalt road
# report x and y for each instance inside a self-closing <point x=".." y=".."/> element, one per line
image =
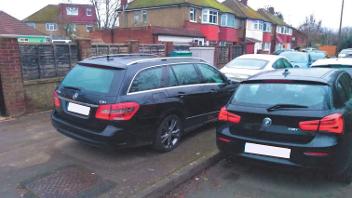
<point x="231" y="178"/>
<point x="37" y="161"/>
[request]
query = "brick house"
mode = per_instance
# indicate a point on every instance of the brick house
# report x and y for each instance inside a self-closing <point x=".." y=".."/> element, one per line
<point x="10" y="26"/>
<point x="256" y="31"/>
<point x="212" y="22"/>
<point x="64" y="20"/>
<point x="282" y="32"/>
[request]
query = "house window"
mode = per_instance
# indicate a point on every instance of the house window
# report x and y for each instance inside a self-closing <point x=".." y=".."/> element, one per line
<point x="267" y="46"/>
<point x="89" y="12"/>
<point x="33" y="25"/>
<point x="72" y="11"/>
<point x="140" y="17"/>
<point x="52" y="27"/>
<point x="258" y="25"/>
<point x="228" y="20"/>
<point x="267" y="27"/>
<point x="210" y="16"/>
<point x="192" y="14"/>
<point x="89" y="28"/>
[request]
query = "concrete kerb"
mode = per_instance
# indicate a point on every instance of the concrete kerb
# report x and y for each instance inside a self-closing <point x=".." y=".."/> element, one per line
<point x="180" y="176"/>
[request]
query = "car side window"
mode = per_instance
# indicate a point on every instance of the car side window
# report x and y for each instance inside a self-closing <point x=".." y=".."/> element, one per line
<point x="186" y="74"/>
<point x="287" y="64"/>
<point x="279" y="64"/>
<point x="171" y="78"/>
<point x="210" y="74"/>
<point x="148" y="79"/>
<point x="343" y="88"/>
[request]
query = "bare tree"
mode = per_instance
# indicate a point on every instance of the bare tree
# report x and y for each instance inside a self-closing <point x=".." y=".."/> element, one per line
<point x="313" y="29"/>
<point x="107" y="12"/>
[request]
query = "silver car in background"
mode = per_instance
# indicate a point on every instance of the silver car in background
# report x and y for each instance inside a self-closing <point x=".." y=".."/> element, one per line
<point x="245" y="66"/>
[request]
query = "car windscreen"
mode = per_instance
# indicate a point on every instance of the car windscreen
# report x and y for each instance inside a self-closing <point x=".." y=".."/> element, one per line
<point x="247" y="63"/>
<point x="317" y="55"/>
<point x="295" y="57"/>
<point x="314" y="96"/>
<point x="91" y="79"/>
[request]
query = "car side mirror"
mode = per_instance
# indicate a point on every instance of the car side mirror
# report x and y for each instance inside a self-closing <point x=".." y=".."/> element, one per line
<point x="296" y="66"/>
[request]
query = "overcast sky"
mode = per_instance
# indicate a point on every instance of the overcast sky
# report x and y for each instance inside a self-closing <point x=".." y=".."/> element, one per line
<point x="294" y="11"/>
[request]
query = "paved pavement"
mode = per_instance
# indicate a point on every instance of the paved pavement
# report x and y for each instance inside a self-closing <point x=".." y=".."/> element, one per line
<point x="36" y="160"/>
<point x="242" y="179"/>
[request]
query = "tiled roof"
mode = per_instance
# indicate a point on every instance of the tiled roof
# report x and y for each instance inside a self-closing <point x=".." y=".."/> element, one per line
<point x="243" y="11"/>
<point x="49" y="13"/>
<point x="272" y="18"/>
<point x="137" y="4"/>
<point x="12" y="26"/>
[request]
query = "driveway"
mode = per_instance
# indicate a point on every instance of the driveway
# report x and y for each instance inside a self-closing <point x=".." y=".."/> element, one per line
<point x="230" y="179"/>
<point x="35" y="160"/>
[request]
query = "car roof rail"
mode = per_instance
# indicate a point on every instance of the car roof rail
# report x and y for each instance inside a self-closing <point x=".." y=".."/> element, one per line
<point x="163" y="59"/>
<point x="121" y="55"/>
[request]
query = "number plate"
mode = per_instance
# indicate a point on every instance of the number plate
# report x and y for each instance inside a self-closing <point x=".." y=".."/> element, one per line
<point x="267" y="150"/>
<point x="79" y="109"/>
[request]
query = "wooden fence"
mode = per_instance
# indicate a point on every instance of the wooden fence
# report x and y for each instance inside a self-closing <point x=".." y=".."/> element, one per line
<point x="40" y="61"/>
<point x="224" y="54"/>
<point x="105" y="49"/>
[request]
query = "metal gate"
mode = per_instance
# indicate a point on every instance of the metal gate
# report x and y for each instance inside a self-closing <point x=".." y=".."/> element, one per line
<point x="2" y="102"/>
<point x="237" y="51"/>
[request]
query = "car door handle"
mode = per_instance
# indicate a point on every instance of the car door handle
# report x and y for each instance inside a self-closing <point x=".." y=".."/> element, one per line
<point x="181" y="94"/>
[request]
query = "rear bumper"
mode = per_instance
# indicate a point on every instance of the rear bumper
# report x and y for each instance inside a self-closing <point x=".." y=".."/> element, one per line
<point x="300" y="153"/>
<point x="110" y="137"/>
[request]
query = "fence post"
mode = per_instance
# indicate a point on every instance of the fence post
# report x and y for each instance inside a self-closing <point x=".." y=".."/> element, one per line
<point x="133" y="47"/>
<point x="11" y="77"/>
<point x="84" y="48"/>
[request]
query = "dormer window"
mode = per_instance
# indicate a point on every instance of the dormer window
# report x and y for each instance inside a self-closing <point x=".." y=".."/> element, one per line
<point x="72" y="11"/>
<point x="89" y="12"/>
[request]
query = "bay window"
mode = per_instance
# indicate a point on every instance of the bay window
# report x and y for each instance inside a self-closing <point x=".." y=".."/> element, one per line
<point x="210" y="16"/>
<point x="228" y="20"/>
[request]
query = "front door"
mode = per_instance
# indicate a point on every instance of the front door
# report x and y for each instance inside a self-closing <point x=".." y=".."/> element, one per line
<point x="2" y="102"/>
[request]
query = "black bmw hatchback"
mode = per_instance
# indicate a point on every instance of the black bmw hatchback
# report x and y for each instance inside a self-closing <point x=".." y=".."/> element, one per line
<point x="134" y="100"/>
<point x="294" y="117"/>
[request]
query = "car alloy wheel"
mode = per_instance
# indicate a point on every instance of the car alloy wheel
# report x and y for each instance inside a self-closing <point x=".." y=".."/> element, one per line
<point x="169" y="133"/>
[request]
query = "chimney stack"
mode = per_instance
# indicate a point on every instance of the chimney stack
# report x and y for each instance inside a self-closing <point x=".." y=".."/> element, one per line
<point x="124" y="4"/>
<point x="245" y="2"/>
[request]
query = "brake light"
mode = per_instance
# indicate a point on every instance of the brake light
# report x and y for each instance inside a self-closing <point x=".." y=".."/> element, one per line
<point x="333" y="123"/>
<point x="226" y="116"/>
<point x="121" y="111"/>
<point x="56" y="100"/>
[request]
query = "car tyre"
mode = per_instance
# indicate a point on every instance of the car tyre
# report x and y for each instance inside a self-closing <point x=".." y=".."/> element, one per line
<point x="168" y="134"/>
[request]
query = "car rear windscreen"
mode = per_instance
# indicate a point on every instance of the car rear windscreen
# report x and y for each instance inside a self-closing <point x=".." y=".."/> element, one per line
<point x="247" y="63"/>
<point x="91" y="79"/>
<point x="314" y="96"/>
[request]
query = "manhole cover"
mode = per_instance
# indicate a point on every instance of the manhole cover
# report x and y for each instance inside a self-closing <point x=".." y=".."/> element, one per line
<point x="68" y="182"/>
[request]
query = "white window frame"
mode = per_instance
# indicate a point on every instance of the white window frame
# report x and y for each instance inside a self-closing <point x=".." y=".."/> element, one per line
<point x="225" y="19"/>
<point x="72" y="11"/>
<point x="51" y="27"/>
<point x="89" y="12"/>
<point x="268" y="27"/>
<point x="31" y="24"/>
<point x="208" y="14"/>
<point x="140" y="17"/>
<point x="192" y="12"/>
<point x="88" y="27"/>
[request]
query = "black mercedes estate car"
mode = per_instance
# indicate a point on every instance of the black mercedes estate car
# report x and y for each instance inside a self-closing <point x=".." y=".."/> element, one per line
<point x="134" y="100"/>
<point x="293" y="117"/>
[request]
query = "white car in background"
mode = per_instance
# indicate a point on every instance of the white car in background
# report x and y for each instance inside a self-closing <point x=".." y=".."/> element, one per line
<point x="346" y="53"/>
<point x="337" y="63"/>
<point x="245" y="66"/>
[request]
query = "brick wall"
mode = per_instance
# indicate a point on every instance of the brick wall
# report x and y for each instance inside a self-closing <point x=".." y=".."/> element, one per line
<point x="11" y="77"/>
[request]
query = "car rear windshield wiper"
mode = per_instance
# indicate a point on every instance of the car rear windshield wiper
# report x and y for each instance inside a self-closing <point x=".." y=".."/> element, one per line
<point x="286" y="106"/>
<point x="71" y="87"/>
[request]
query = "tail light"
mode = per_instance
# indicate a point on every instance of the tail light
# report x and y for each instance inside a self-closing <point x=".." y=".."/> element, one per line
<point x="226" y="116"/>
<point x="333" y="123"/>
<point x="56" y="100"/>
<point x="120" y="111"/>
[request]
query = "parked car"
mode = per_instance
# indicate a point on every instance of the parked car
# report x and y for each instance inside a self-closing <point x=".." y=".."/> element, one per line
<point x="296" y="117"/>
<point x="336" y="63"/>
<point x="346" y="53"/>
<point x="245" y="66"/>
<point x="122" y="101"/>
<point x="278" y="52"/>
<point x="317" y="55"/>
<point x="298" y="59"/>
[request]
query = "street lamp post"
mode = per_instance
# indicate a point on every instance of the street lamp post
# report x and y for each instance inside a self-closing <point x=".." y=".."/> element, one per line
<point x="340" y="29"/>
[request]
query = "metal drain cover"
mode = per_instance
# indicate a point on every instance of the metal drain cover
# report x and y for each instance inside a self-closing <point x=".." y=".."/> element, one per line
<point x="68" y="182"/>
